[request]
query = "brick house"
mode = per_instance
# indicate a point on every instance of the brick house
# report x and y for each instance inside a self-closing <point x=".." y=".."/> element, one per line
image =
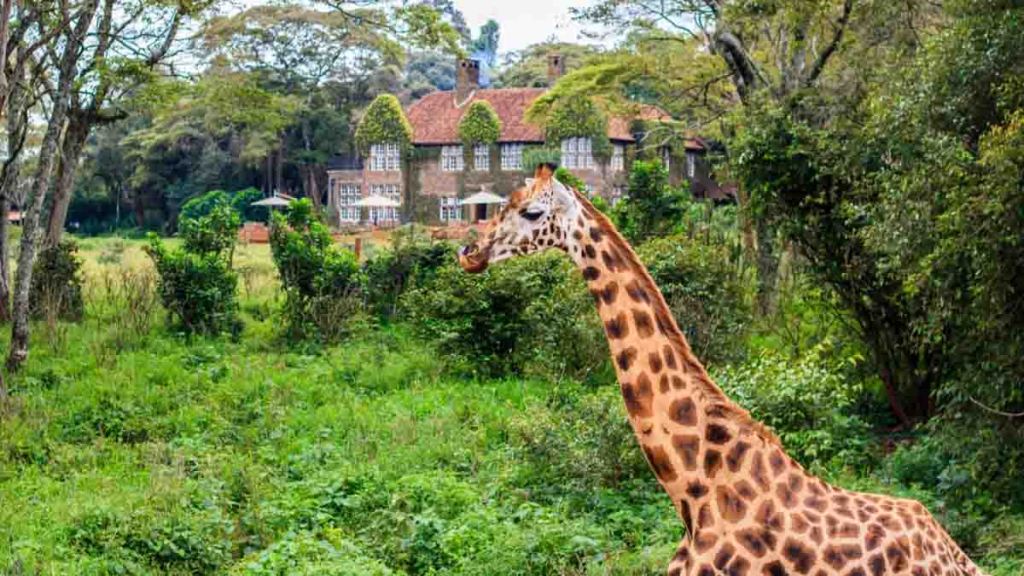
<point x="431" y="181"/>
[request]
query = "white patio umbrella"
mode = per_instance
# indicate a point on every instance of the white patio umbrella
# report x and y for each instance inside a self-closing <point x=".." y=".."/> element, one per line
<point x="483" y="197"/>
<point x="273" y="202"/>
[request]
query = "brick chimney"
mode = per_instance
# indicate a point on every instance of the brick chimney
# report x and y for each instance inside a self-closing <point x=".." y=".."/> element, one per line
<point x="467" y="78"/>
<point x="556" y="67"/>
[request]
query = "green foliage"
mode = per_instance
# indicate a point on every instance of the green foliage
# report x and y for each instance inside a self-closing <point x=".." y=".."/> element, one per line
<point x="320" y="280"/>
<point x="653" y="208"/>
<point x="578" y="116"/>
<point x="529" y="315"/>
<point x="480" y="124"/>
<point x="197" y="284"/>
<point x="706" y="294"/>
<point x="569" y="179"/>
<point x="809" y="403"/>
<point x="57" y="283"/>
<point x="411" y="261"/>
<point x="307" y="553"/>
<point x="383" y="121"/>
<point x="240" y="200"/>
<point x="534" y="156"/>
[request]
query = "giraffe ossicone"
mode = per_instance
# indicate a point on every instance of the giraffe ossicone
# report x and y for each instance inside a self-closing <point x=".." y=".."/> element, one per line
<point x="748" y="508"/>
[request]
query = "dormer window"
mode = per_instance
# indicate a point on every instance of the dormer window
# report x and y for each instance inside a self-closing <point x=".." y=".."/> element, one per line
<point x="666" y="158"/>
<point x="577" y="153"/>
<point x="385" y="157"/>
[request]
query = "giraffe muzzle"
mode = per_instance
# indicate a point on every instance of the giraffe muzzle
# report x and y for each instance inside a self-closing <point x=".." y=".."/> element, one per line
<point x="472" y="259"/>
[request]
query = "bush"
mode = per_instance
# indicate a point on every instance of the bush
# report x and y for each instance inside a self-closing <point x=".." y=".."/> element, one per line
<point x="197" y="284"/>
<point x="809" y="405"/>
<point x="705" y="292"/>
<point x="240" y="201"/>
<point x="583" y="445"/>
<point x="320" y="280"/>
<point x="528" y="315"/>
<point x="653" y="207"/>
<point x="57" y="283"/>
<point x="307" y="553"/>
<point x="410" y="262"/>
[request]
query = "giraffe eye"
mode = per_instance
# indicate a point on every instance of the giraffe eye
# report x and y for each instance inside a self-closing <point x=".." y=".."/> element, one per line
<point x="531" y="214"/>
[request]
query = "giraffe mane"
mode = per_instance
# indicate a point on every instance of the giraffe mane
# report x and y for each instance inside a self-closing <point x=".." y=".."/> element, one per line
<point x="716" y="398"/>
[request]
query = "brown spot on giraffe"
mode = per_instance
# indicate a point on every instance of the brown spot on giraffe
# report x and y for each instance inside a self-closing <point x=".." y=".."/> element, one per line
<point x="731" y="507"/>
<point x="642" y="320"/>
<point x="638" y="397"/>
<point x="660" y="463"/>
<point x="683" y="411"/>
<point x="688" y="447"/>
<point x="617" y="328"/>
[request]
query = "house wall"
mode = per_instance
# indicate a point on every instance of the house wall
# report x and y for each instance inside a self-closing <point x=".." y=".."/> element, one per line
<point x="423" y="182"/>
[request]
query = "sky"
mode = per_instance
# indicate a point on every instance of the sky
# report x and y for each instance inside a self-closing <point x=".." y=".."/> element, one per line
<point x="524" y="22"/>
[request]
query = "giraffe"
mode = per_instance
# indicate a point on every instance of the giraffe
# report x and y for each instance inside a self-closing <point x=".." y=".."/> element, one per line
<point x="748" y="508"/>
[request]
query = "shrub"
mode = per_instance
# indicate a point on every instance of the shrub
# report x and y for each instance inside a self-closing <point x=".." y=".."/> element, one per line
<point x="410" y="262"/>
<point x="240" y="201"/>
<point x="705" y="292"/>
<point x="308" y="553"/>
<point x="57" y="283"/>
<point x="197" y="284"/>
<point x="809" y="405"/>
<point x="653" y="207"/>
<point x="583" y="445"/>
<point x="321" y="281"/>
<point x="528" y="315"/>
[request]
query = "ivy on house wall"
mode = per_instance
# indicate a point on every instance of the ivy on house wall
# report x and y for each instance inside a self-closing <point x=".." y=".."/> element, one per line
<point x="480" y="124"/>
<point x="578" y="116"/>
<point x="383" y="121"/>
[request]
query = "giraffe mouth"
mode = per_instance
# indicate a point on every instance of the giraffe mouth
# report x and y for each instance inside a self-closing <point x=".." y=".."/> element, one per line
<point x="472" y="259"/>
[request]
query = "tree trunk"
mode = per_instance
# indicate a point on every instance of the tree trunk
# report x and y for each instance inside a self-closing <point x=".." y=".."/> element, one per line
<point x="17" y="123"/>
<point x="71" y="151"/>
<point x="37" y="196"/>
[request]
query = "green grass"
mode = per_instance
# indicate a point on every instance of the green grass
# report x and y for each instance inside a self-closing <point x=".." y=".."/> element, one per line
<point x="144" y="452"/>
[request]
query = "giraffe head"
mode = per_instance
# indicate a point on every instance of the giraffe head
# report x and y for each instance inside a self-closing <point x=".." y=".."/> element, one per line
<point x="539" y="216"/>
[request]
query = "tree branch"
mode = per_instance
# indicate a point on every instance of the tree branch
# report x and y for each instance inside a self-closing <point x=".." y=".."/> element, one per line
<point x="837" y="37"/>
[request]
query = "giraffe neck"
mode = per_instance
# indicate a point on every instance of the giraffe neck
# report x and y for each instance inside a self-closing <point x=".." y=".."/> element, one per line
<point x="707" y="453"/>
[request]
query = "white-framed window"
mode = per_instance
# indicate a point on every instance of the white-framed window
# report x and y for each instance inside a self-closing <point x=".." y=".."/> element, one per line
<point x="577" y="153"/>
<point x="385" y="157"/>
<point x="481" y="157"/>
<point x="618" y="161"/>
<point x="666" y="158"/>
<point x="452" y="159"/>
<point x="512" y="156"/>
<point x="390" y="191"/>
<point x="691" y="165"/>
<point x="348" y="195"/>
<point x="449" y="209"/>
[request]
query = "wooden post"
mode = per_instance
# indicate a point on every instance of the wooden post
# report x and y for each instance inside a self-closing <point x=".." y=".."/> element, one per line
<point x="359" y="248"/>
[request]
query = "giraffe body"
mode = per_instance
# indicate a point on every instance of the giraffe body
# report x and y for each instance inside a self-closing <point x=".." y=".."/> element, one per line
<point x="748" y="508"/>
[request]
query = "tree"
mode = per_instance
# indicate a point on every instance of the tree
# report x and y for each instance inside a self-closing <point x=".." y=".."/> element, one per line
<point x="892" y="201"/>
<point x="653" y="208"/>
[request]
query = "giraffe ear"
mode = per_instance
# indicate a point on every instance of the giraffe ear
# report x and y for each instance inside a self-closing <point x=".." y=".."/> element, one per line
<point x="563" y="195"/>
<point x="529" y="182"/>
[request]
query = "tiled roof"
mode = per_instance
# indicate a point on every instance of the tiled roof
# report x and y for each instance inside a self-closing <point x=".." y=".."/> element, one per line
<point x="435" y="117"/>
